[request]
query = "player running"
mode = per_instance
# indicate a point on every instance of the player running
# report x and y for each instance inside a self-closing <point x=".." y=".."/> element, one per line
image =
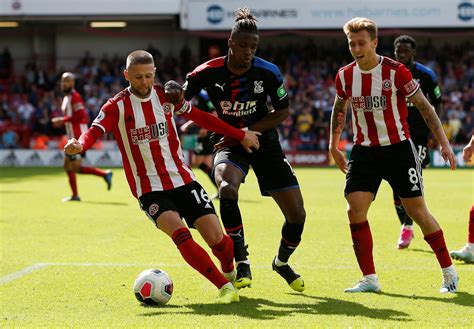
<point x="75" y="119"/>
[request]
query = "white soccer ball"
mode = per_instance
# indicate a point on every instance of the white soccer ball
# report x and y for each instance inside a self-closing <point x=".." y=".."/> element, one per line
<point x="153" y="287"/>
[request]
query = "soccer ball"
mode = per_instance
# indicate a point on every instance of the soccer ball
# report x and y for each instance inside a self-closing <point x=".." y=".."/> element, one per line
<point x="153" y="287"/>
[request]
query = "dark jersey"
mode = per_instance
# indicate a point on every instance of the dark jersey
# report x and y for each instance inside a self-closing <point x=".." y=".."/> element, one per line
<point x="430" y="88"/>
<point x="239" y="100"/>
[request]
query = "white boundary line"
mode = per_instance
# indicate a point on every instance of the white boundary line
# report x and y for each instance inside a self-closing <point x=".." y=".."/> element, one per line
<point x="30" y="269"/>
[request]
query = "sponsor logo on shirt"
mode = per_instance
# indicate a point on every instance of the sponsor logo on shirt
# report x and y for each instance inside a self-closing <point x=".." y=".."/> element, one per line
<point x="238" y="109"/>
<point x="149" y="133"/>
<point x="369" y="103"/>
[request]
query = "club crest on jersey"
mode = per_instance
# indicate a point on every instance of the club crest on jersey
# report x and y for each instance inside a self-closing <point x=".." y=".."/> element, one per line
<point x="258" y="88"/>
<point x="387" y="85"/>
<point x="153" y="209"/>
<point x="167" y="107"/>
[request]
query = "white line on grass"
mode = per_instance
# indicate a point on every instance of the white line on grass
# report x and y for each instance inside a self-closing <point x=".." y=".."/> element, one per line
<point x="23" y="272"/>
<point x="27" y="270"/>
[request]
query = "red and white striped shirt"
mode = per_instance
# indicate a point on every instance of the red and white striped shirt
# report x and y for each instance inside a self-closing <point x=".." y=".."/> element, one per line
<point x="75" y="114"/>
<point x="378" y="101"/>
<point x="147" y="137"/>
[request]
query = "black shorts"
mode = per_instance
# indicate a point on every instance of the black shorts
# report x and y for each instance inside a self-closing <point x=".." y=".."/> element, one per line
<point x="398" y="164"/>
<point x="190" y="201"/>
<point x="274" y="172"/>
<point x="421" y="144"/>
<point x="74" y="157"/>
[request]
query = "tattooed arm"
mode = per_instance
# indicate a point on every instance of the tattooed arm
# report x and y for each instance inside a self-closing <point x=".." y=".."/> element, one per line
<point x="338" y="120"/>
<point x="433" y="122"/>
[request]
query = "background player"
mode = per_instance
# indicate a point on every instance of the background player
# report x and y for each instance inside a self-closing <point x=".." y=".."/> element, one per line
<point x="238" y="86"/>
<point x="75" y="120"/>
<point x="141" y="120"/>
<point x="405" y="51"/>
<point x="376" y="88"/>
<point x="466" y="254"/>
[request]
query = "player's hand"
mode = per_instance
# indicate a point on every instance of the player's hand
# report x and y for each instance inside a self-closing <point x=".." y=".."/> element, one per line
<point x="174" y="92"/>
<point x="250" y="140"/>
<point x="339" y="159"/>
<point x="226" y="141"/>
<point x="57" y="121"/>
<point x="72" y="147"/>
<point x="448" y="156"/>
<point x="467" y="152"/>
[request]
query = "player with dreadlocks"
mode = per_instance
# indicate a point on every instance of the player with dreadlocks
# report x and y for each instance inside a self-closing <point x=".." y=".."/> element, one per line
<point x="238" y="86"/>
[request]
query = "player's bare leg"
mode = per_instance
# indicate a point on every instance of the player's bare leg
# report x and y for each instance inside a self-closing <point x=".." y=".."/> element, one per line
<point x="418" y="211"/>
<point x="291" y="204"/>
<point x="358" y="204"/>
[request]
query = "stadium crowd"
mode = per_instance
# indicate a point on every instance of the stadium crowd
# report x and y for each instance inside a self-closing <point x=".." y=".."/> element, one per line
<point x="31" y="97"/>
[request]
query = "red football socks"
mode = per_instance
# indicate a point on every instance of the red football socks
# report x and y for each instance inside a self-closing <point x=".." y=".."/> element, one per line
<point x="470" y="237"/>
<point x="72" y="182"/>
<point x="197" y="257"/>
<point x="363" y="245"/>
<point x="224" y="251"/>
<point x="92" y="171"/>
<point x="437" y="243"/>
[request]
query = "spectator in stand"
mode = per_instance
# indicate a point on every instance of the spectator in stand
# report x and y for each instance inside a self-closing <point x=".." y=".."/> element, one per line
<point x="75" y="118"/>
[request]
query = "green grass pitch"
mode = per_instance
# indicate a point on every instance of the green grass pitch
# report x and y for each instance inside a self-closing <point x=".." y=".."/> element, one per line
<point x="73" y="264"/>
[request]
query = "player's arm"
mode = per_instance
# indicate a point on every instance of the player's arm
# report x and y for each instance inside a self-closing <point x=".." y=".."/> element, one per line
<point x="433" y="122"/>
<point x="174" y="93"/>
<point x="85" y="142"/>
<point x="338" y="121"/>
<point x="468" y="150"/>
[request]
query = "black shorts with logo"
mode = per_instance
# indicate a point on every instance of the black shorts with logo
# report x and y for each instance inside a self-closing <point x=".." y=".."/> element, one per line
<point x="274" y="172"/>
<point x="398" y="164"/>
<point x="190" y="201"/>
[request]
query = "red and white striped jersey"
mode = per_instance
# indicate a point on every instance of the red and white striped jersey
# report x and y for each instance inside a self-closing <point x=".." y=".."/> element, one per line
<point x="378" y="101"/>
<point x="147" y="137"/>
<point x="75" y="114"/>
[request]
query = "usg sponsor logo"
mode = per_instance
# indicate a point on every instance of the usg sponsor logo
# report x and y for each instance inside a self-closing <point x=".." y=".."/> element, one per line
<point x="465" y="11"/>
<point x="215" y="14"/>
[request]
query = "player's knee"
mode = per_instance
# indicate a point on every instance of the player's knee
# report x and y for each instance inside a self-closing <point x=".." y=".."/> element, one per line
<point x="297" y="216"/>
<point x="228" y="191"/>
<point x="355" y="213"/>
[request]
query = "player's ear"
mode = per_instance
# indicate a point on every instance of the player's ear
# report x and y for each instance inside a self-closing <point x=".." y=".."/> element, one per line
<point x="125" y="74"/>
<point x="229" y="42"/>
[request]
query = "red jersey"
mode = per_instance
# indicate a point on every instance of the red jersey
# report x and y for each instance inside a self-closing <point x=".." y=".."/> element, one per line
<point x="75" y="115"/>
<point x="147" y="137"/>
<point x="378" y="101"/>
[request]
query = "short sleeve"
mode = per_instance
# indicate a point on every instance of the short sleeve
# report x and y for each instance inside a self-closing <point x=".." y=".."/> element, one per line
<point x="277" y="92"/>
<point x="340" y="93"/>
<point x="76" y="102"/>
<point x="404" y="82"/>
<point x="193" y="85"/>
<point x="107" y="119"/>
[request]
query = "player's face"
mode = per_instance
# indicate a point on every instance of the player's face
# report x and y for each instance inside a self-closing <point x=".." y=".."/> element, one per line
<point x="363" y="48"/>
<point x="404" y="53"/>
<point x="243" y="46"/>
<point x="141" y="78"/>
<point x="66" y="85"/>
